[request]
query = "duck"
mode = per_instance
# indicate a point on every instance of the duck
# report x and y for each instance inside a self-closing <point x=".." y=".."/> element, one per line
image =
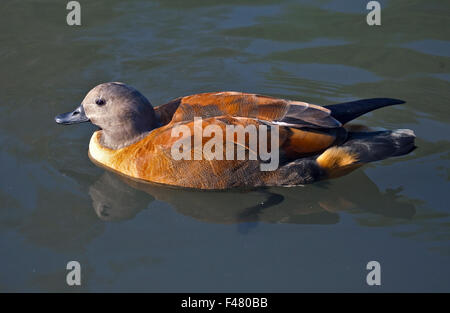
<point x="309" y="142"/>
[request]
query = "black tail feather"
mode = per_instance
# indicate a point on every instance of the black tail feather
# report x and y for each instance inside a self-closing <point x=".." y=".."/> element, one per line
<point x="375" y="146"/>
<point x="347" y="111"/>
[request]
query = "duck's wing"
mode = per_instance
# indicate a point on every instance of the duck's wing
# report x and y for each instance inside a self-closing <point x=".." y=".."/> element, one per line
<point x="208" y="167"/>
<point x="283" y="112"/>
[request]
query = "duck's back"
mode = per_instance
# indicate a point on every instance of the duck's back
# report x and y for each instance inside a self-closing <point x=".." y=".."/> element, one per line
<point x="246" y="105"/>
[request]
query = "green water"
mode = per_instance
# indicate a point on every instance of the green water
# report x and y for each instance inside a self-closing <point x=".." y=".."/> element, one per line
<point x="56" y="206"/>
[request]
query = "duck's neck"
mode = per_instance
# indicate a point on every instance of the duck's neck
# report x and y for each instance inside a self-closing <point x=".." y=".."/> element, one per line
<point x="123" y="135"/>
<point x="117" y="141"/>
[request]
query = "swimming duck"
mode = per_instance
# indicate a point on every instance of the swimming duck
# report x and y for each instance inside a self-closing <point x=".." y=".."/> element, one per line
<point x="312" y="142"/>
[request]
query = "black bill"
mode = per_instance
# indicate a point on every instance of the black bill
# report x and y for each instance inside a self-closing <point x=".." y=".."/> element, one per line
<point x="74" y="117"/>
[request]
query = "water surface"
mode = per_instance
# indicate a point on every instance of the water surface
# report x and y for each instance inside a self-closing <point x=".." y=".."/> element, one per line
<point x="56" y="206"/>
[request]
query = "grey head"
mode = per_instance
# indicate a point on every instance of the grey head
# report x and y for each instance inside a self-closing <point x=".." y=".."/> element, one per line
<point x="123" y="113"/>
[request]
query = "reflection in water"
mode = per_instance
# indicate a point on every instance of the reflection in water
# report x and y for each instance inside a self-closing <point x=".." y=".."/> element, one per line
<point x="115" y="201"/>
<point x="118" y="198"/>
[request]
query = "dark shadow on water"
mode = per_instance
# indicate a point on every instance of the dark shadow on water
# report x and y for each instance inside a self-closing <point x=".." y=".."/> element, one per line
<point x="117" y="198"/>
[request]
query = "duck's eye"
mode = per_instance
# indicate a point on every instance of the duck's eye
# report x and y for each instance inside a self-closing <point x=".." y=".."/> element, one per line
<point x="100" y="101"/>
